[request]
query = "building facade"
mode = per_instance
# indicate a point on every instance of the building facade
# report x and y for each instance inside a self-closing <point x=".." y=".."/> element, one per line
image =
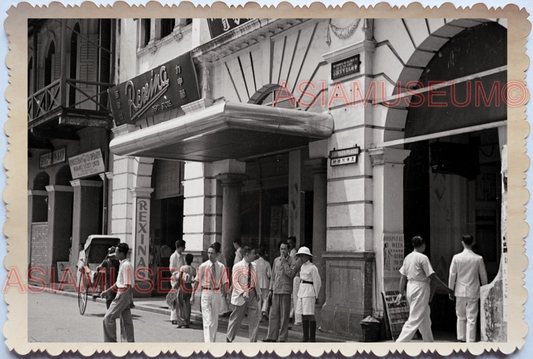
<point x="353" y="135"/>
<point x="70" y="69"/>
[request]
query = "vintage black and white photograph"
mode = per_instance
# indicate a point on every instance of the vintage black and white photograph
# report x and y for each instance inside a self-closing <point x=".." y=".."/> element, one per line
<point x="269" y="180"/>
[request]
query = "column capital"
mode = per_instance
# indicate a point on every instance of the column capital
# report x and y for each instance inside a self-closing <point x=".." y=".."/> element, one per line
<point x="350" y="50"/>
<point x="35" y="192"/>
<point x="383" y="155"/>
<point x="197" y="105"/>
<point x="59" y="188"/>
<point x="85" y="183"/>
<point x="141" y="192"/>
<point x="124" y="129"/>
<point x="317" y="165"/>
<point x="232" y="179"/>
<point x="108" y="175"/>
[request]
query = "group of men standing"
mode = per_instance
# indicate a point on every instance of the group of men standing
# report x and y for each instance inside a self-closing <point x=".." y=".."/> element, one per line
<point x="248" y="296"/>
<point x="467" y="273"/>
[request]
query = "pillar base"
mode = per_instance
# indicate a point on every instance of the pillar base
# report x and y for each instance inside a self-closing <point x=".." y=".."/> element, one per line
<point x="348" y="281"/>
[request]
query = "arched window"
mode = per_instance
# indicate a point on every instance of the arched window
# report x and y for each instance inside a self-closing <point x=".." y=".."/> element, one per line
<point x="41" y="181"/>
<point x="63" y="176"/>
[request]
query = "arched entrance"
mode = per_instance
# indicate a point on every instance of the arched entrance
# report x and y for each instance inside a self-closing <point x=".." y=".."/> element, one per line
<point x="452" y="176"/>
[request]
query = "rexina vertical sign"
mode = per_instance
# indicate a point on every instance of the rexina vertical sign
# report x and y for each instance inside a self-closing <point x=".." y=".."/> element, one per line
<point x="142" y="233"/>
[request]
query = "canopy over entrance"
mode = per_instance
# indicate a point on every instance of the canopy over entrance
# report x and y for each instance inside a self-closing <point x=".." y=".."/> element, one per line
<point x="226" y="130"/>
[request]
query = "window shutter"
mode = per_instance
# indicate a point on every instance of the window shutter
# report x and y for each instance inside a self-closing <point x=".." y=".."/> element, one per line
<point x="88" y="66"/>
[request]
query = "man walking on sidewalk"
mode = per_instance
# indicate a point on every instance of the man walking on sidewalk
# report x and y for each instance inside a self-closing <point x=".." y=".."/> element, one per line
<point x="283" y="271"/>
<point x="245" y="297"/>
<point x="264" y="273"/>
<point x="466" y="272"/>
<point x="214" y="282"/>
<point x="121" y="305"/>
<point x="417" y="274"/>
<point x="177" y="260"/>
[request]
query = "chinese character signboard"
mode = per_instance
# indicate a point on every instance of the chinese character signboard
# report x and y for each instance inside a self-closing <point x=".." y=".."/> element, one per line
<point x="345" y="67"/>
<point x="87" y="164"/>
<point x="53" y="158"/>
<point x="393" y="247"/>
<point x="220" y="26"/>
<point x="166" y="87"/>
<point x="344" y="156"/>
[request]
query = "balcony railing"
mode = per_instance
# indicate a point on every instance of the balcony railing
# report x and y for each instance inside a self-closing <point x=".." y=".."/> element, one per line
<point x="68" y="96"/>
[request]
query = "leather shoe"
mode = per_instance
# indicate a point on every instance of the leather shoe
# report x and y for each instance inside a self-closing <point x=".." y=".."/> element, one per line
<point x="266" y="340"/>
<point x="174" y="322"/>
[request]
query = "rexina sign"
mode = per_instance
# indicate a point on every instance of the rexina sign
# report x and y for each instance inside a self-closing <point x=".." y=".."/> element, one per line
<point x="142" y="233"/>
<point x="165" y="87"/>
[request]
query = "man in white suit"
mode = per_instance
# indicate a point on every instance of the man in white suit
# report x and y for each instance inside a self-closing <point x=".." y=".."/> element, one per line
<point x="245" y="296"/>
<point x="466" y="272"/>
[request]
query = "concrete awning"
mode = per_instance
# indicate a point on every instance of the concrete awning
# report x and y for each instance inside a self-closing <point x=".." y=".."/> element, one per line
<point x="226" y="131"/>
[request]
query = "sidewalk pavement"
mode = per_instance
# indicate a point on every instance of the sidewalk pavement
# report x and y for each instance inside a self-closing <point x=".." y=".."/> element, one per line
<point x="159" y="305"/>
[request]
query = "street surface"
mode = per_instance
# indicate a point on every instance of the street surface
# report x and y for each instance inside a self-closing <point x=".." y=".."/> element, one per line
<point x="56" y="318"/>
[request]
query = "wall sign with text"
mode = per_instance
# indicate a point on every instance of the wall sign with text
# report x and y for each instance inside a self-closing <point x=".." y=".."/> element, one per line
<point x="344" y="157"/>
<point x="166" y="87"/>
<point x="220" y="26"/>
<point x="393" y="254"/>
<point x="53" y="158"/>
<point x="87" y="164"/>
<point x="345" y="67"/>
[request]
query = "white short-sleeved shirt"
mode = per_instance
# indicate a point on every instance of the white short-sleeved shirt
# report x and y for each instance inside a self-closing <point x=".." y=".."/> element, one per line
<point x="416" y="267"/>
<point x="125" y="275"/>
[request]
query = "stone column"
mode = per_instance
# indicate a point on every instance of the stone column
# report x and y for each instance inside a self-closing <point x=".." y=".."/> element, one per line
<point x="231" y="210"/>
<point x="319" y="167"/>
<point x="387" y="174"/>
<point x="59" y="224"/>
<point x="140" y="248"/>
<point x="85" y="212"/>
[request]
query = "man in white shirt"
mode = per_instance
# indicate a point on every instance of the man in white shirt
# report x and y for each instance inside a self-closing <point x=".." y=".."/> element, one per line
<point x="466" y="272"/>
<point x="264" y="273"/>
<point x="245" y="297"/>
<point x="177" y="260"/>
<point x="212" y="278"/>
<point x="417" y="274"/>
<point x="121" y="305"/>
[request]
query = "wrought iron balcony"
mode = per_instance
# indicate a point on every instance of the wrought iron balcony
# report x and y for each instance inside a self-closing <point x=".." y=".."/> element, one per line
<point x="70" y="102"/>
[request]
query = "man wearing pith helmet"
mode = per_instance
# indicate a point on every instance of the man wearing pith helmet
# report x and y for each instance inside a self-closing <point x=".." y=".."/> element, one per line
<point x="308" y="294"/>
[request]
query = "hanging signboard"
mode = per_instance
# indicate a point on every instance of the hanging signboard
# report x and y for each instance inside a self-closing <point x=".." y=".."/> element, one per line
<point x="166" y="87"/>
<point x="220" y="26"/>
<point x="53" y="158"/>
<point x="344" y="156"/>
<point x="396" y="313"/>
<point x="87" y="164"/>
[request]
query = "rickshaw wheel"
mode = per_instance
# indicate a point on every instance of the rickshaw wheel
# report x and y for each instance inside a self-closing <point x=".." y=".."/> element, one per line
<point x="83" y="292"/>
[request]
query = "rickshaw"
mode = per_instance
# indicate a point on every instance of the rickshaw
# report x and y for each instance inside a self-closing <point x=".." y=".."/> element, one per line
<point x="91" y="256"/>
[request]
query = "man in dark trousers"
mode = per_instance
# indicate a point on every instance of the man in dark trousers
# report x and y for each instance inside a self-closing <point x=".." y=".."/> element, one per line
<point x="121" y="305"/>
<point x="110" y="267"/>
<point x="283" y="271"/>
